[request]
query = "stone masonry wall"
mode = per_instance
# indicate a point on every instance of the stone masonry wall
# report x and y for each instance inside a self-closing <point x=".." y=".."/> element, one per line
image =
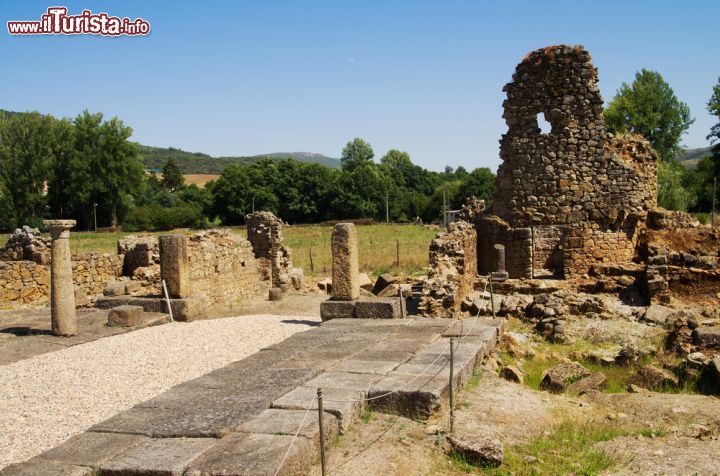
<point x="584" y="192"/>
<point x="28" y="283"/>
<point x="222" y="268"/>
<point x="264" y="232"/>
<point x="453" y="269"/>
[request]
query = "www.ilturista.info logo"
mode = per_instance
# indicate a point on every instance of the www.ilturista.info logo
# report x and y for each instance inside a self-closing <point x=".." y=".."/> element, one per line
<point x="57" y="22"/>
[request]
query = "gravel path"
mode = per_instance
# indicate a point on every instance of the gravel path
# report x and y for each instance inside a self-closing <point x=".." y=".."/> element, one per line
<point x="49" y="398"/>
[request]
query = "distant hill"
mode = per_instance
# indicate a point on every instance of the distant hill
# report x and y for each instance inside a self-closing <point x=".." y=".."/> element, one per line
<point x="198" y="163"/>
<point x="692" y="156"/>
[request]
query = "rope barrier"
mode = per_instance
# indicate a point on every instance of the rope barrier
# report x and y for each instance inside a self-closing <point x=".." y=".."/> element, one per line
<point x="302" y="422"/>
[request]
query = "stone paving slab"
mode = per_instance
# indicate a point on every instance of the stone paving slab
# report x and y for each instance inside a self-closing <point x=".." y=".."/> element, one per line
<point x="253" y="454"/>
<point x="277" y="421"/>
<point x="347" y="405"/>
<point x="92" y="449"/>
<point x="38" y="466"/>
<point x="167" y="456"/>
<point x="241" y="419"/>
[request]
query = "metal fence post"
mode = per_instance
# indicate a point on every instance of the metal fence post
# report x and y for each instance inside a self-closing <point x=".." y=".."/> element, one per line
<point x="322" y="433"/>
<point x="452" y="393"/>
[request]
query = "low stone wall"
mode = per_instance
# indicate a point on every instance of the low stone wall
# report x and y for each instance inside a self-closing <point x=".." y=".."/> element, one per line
<point x="28" y="283"/>
<point x="453" y="270"/>
<point x="587" y="245"/>
<point x="222" y="269"/>
<point x="24" y="282"/>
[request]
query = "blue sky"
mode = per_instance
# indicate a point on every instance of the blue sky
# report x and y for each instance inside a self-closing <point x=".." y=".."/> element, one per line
<point x="244" y="78"/>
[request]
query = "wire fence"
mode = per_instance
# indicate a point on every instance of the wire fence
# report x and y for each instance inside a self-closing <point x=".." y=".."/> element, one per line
<point x="456" y="343"/>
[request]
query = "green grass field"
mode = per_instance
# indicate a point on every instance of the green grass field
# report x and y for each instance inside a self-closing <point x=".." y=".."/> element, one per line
<point x="377" y="246"/>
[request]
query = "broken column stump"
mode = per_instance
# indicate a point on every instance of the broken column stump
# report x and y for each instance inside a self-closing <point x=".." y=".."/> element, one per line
<point x="345" y="268"/>
<point x="499" y="274"/>
<point x="62" y="288"/>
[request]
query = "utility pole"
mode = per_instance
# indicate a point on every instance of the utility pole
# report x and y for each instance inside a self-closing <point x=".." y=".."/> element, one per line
<point x="95" y="215"/>
<point x="712" y="220"/>
<point x="444" y="207"/>
<point x="387" y="208"/>
<point x="253" y="203"/>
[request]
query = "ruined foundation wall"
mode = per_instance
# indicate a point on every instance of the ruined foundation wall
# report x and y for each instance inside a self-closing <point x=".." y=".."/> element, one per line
<point x="453" y="269"/>
<point x="28" y="283"/>
<point x="222" y="268"/>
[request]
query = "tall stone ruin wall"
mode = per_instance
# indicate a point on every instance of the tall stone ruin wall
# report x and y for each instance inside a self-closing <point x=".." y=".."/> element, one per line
<point x="264" y="232"/>
<point x="222" y="268"/>
<point x="583" y="193"/>
<point x="453" y="269"/>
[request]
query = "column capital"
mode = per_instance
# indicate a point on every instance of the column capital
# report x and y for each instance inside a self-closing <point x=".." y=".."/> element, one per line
<point x="59" y="228"/>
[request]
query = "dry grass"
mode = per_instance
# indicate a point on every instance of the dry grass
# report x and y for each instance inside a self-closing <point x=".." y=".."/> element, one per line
<point x="377" y="246"/>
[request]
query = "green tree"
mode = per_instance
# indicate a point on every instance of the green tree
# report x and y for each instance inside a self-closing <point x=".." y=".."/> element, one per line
<point x="479" y="183"/>
<point x="672" y="191"/>
<point x="356" y="153"/>
<point x="103" y="170"/>
<point x="172" y="176"/>
<point x="26" y="154"/>
<point x="649" y="106"/>
<point x="714" y="136"/>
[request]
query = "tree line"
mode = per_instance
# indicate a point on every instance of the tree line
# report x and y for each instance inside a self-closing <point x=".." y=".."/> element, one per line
<point x="87" y="169"/>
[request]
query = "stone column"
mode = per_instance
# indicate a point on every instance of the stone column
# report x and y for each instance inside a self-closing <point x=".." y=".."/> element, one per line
<point x="174" y="265"/>
<point x="345" y="281"/>
<point x="62" y="288"/>
<point x="500" y="274"/>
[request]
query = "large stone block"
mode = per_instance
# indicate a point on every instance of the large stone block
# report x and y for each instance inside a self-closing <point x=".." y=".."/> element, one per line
<point x="174" y="268"/>
<point x="125" y="316"/>
<point x="346" y="284"/>
<point x="167" y="456"/>
<point x="379" y="308"/>
<point x="337" y="310"/>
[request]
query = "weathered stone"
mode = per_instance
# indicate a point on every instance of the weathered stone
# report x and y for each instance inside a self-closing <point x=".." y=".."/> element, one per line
<point x="706" y="336"/>
<point x="364" y="282"/>
<point x="40" y="466"/>
<point x="344" y="403"/>
<point x="658" y="314"/>
<point x="595" y="382"/>
<point x="250" y="454"/>
<point x="125" y="316"/>
<point x="168" y="456"/>
<point x="556" y="379"/>
<point x="174" y="265"/>
<point x="478" y="450"/>
<point x="390" y="291"/>
<point x="275" y="294"/>
<point x="512" y="373"/>
<point x="382" y="282"/>
<point x="345" y="284"/>
<point x="62" y="294"/>
<point x="92" y="449"/>
<point x="337" y="310"/>
<point x="652" y="377"/>
<point x="296" y="278"/>
<point x="378" y="308"/>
